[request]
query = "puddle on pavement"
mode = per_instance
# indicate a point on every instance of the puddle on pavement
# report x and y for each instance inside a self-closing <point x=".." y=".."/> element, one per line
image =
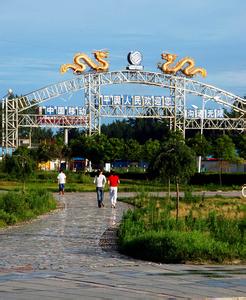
<point x="27" y="276"/>
<point x="241" y="271"/>
<point x="216" y="273"/>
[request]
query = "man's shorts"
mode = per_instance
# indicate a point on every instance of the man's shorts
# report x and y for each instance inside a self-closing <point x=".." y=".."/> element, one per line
<point x="61" y="187"/>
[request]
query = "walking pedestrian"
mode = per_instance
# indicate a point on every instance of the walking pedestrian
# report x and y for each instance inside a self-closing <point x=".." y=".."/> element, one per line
<point x="61" y="182"/>
<point x="113" y="181"/>
<point x="100" y="181"/>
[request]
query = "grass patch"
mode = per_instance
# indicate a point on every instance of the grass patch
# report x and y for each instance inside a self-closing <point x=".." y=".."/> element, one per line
<point x="18" y="206"/>
<point x="208" y="229"/>
<point x="81" y="182"/>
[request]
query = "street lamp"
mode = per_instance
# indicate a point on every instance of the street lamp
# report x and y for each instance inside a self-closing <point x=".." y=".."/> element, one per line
<point x="201" y="114"/>
<point x="9" y="93"/>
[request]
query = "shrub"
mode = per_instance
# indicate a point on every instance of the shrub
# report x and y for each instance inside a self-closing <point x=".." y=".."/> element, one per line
<point x="226" y="230"/>
<point x="46" y="176"/>
<point x="151" y="232"/>
<point x="83" y="178"/>
<point x="13" y="203"/>
<point x="40" y="201"/>
<point x="7" y="218"/>
<point x="19" y="206"/>
<point x="177" y="247"/>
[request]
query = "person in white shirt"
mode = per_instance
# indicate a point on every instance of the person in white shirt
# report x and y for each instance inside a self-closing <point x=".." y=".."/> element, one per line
<point x="100" y="181"/>
<point x="61" y="182"/>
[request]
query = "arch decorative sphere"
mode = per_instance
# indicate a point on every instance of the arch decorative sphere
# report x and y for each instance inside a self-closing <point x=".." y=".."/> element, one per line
<point x="134" y="58"/>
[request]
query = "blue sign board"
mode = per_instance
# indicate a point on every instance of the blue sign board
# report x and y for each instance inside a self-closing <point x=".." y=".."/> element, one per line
<point x="135" y="100"/>
<point x="63" y="110"/>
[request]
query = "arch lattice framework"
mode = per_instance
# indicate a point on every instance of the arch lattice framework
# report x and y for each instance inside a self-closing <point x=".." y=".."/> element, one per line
<point x="14" y="115"/>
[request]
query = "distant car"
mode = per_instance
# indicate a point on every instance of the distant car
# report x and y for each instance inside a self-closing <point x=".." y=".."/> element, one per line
<point x="211" y="158"/>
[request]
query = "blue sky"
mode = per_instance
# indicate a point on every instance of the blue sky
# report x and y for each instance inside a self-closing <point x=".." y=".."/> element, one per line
<point x="36" y="37"/>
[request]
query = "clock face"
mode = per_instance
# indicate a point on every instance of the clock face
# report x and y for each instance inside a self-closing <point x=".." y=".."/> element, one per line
<point x="134" y="58"/>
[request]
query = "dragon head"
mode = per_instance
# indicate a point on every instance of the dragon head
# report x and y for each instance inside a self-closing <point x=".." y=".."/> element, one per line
<point x="168" y="56"/>
<point x="204" y="73"/>
<point x="101" y="53"/>
<point x="63" y="69"/>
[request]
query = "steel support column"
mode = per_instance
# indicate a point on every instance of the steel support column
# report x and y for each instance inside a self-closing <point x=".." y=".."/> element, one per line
<point x="92" y="102"/>
<point x="177" y="92"/>
<point x="10" y="126"/>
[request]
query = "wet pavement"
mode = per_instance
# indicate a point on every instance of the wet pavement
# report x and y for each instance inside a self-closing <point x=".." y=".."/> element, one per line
<point x="59" y="256"/>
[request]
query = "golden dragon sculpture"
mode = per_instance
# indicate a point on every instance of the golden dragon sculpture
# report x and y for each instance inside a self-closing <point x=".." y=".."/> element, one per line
<point x="189" y="70"/>
<point x="81" y="60"/>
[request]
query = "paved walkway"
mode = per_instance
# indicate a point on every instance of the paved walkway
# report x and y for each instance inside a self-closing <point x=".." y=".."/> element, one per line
<point x="59" y="257"/>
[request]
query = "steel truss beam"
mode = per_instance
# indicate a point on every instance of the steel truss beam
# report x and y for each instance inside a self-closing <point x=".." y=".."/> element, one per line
<point x="141" y="77"/>
<point x="53" y="121"/>
<point x="218" y="124"/>
<point x="137" y="112"/>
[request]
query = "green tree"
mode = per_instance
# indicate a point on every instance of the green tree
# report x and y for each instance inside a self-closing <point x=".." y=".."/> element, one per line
<point x="132" y="150"/>
<point x="41" y="135"/>
<point x="116" y="149"/>
<point x="78" y="147"/>
<point x="149" y="128"/>
<point x="241" y="145"/>
<point x="96" y="149"/>
<point x="118" y="129"/>
<point x="224" y="150"/>
<point x="20" y="164"/>
<point x="43" y="153"/>
<point x="176" y="161"/>
<point x="150" y="149"/>
<point x="200" y="145"/>
<point x="137" y="129"/>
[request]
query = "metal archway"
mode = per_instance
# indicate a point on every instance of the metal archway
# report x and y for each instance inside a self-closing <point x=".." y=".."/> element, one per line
<point x="13" y="115"/>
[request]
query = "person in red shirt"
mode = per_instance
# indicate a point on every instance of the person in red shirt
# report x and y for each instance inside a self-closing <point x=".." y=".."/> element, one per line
<point x="113" y="181"/>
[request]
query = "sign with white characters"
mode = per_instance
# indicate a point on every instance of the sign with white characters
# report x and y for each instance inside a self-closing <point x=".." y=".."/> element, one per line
<point x="204" y="114"/>
<point x="62" y="110"/>
<point x="135" y="101"/>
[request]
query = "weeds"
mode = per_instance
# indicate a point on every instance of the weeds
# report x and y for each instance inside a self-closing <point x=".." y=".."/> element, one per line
<point x="18" y="206"/>
<point x="203" y="233"/>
